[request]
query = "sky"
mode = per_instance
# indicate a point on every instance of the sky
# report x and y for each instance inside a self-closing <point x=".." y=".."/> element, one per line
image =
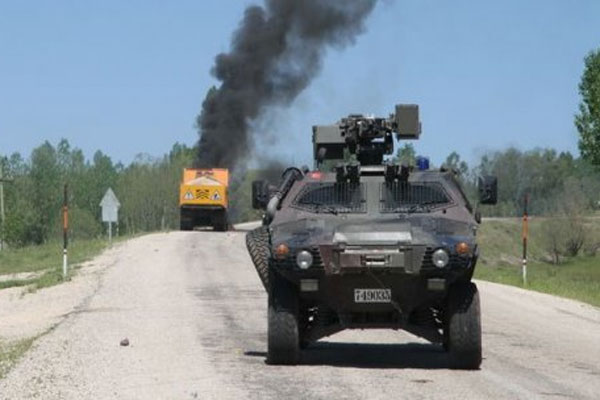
<point x="129" y="77"/>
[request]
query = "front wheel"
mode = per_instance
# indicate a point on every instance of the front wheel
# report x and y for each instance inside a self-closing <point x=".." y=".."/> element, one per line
<point x="257" y="243"/>
<point x="283" y="333"/>
<point x="463" y="326"/>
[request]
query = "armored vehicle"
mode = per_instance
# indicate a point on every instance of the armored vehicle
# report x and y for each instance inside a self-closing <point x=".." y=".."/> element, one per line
<point x="360" y="242"/>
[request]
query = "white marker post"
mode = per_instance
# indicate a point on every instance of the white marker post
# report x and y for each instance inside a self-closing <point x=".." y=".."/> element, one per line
<point x="110" y="211"/>
<point x="525" y="234"/>
<point x="65" y="231"/>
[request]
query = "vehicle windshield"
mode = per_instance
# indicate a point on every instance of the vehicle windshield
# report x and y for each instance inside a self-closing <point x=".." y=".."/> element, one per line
<point x="412" y="197"/>
<point x="332" y="198"/>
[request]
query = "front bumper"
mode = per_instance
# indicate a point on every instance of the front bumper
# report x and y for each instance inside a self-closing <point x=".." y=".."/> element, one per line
<point x="403" y="260"/>
<point x="408" y="272"/>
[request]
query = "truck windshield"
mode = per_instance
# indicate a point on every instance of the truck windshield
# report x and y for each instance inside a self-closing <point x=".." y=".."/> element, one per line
<point x="332" y="198"/>
<point x="412" y="197"/>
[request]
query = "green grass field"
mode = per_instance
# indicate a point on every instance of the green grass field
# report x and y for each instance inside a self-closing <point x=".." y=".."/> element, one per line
<point x="501" y="247"/>
<point x="500" y="261"/>
<point x="45" y="261"/>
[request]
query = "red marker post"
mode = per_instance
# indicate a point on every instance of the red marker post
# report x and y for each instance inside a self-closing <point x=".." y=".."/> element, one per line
<point x="524" y="235"/>
<point x="65" y="211"/>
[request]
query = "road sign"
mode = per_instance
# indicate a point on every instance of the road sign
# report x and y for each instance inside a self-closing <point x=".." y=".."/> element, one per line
<point x="110" y="207"/>
<point x="110" y="210"/>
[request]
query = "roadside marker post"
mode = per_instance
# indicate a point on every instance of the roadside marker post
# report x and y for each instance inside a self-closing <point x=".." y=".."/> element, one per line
<point x="2" y="215"/>
<point x="524" y="235"/>
<point x="65" y="212"/>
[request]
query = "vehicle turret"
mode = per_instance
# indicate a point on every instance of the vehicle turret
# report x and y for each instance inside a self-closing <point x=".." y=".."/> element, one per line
<point x="367" y="138"/>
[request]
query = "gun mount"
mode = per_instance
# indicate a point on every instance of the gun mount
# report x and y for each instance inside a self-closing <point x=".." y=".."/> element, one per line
<point x="367" y="138"/>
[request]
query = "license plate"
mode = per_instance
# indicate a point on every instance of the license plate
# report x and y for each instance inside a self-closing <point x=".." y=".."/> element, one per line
<point x="372" y="295"/>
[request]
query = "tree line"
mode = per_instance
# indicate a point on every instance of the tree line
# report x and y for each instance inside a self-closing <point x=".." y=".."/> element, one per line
<point x="557" y="183"/>
<point x="146" y="189"/>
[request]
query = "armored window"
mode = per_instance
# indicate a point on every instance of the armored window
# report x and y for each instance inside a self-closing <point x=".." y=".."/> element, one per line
<point x="332" y="198"/>
<point x="412" y="196"/>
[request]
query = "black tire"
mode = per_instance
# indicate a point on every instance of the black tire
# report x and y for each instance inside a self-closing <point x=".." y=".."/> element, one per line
<point x="220" y="227"/>
<point x="220" y="223"/>
<point x="186" y="225"/>
<point x="283" y="340"/>
<point x="463" y="326"/>
<point x="257" y="243"/>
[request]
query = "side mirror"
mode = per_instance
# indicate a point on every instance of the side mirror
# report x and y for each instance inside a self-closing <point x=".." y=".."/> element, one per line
<point x="478" y="217"/>
<point x="260" y="195"/>
<point x="488" y="189"/>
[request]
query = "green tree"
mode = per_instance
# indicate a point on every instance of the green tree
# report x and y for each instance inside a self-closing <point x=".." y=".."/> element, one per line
<point x="588" y="119"/>
<point x="454" y="162"/>
<point x="406" y="154"/>
<point x="47" y="186"/>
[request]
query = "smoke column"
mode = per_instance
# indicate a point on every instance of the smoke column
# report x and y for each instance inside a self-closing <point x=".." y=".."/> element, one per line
<point x="275" y="53"/>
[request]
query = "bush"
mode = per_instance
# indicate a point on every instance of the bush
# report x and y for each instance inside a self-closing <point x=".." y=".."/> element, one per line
<point x="82" y="225"/>
<point x="563" y="237"/>
<point x="552" y="238"/>
<point x="23" y="227"/>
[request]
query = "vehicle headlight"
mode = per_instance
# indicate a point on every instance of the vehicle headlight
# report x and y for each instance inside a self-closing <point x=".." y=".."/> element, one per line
<point x="440" y="258"/>
<point x="304" y="259"/>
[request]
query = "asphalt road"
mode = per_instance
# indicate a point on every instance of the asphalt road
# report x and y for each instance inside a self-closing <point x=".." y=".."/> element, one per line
<point x="194" y="313"/>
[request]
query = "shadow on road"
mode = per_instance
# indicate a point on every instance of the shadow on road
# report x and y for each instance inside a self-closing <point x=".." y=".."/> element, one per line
<point x="364" y="355"/>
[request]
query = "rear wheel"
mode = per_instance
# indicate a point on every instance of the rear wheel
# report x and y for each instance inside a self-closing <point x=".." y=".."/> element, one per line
<point x="463" y="326"/>
<point x="220" y="222"/>
<point x="185" y="224"/>
<point x="283" y="334"/>
<point x="220" y="227"/>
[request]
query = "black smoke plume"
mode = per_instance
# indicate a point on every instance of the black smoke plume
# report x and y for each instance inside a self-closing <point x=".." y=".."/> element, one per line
<point x="275" y="53"/>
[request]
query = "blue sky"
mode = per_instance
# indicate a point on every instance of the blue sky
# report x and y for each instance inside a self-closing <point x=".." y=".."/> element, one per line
<point x="128" y="77"/>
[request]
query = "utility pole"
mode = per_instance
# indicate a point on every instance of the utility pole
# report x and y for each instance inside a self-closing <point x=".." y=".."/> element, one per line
<point x="2" y="215"/>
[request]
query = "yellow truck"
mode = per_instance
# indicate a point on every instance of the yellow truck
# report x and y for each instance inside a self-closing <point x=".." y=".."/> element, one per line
<point x="203" y="198"/>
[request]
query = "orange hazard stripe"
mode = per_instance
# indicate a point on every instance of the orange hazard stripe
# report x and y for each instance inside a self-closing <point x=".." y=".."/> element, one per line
<point x="65" y="218"/>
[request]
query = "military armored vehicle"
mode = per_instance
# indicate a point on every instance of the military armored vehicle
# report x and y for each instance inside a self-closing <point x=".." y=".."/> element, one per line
<point x="360" y="242"/>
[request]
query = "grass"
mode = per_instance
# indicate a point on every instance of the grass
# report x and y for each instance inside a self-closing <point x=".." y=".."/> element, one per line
<point x="577" y="279"/>
<point x="11" y="352"/>
<point x="46" y="261"/>
<point x="501" y="245"/>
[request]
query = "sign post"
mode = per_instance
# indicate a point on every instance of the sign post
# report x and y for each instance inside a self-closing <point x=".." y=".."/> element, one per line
<point x="65" y="212"/>
<point x="110" y="211"/>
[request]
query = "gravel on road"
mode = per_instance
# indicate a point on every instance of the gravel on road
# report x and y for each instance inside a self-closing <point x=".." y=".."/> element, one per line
<point x="194" y="313"/>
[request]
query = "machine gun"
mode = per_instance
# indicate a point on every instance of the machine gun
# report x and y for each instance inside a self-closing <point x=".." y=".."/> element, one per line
<point x="367" y="138"/>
